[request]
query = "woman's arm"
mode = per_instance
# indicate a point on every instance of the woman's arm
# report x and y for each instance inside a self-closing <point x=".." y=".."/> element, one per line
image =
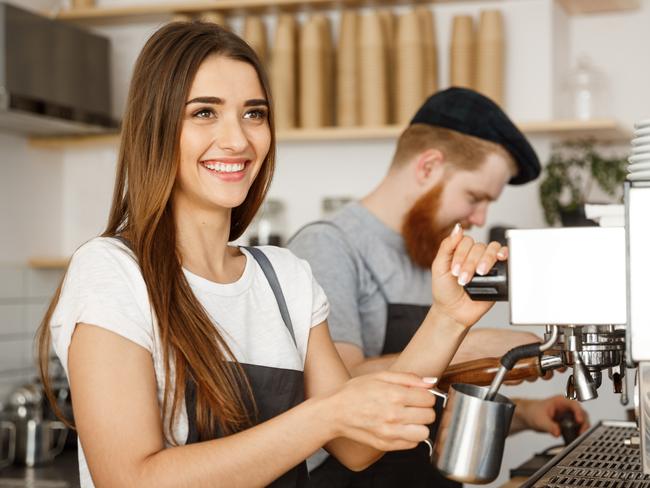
<point x="118" y="419"/>
<point x="117" y="414"/>
<point x="453" y="312"/>
<point x="379" y="412"/>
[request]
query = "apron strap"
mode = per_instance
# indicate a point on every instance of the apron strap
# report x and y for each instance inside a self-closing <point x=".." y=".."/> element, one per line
<point x="272" y="278"/>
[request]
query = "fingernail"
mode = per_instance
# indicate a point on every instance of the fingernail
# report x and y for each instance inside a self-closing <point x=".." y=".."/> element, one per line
<point x="455" y="270"/>
<point x="432" y="380"/>
<point x="456" y="229"/>
<point x="482" y="269"/>
<point x="464" y="279"/>
<point x="501" y="254"/>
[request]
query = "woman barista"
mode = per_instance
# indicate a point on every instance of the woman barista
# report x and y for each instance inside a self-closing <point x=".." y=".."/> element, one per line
<point x="195" y="363"/>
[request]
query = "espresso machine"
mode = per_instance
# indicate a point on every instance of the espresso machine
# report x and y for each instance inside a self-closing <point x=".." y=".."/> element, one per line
<point x="587" y="286"/>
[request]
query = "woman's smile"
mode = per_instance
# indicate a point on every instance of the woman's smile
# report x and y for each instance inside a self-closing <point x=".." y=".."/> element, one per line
<point x="226" y="169"/>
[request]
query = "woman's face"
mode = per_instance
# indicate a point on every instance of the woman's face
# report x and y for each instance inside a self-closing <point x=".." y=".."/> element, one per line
<point x="225" y="135"/>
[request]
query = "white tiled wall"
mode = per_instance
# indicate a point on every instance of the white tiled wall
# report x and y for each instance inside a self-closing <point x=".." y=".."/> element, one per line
<point x="24" y="296"/>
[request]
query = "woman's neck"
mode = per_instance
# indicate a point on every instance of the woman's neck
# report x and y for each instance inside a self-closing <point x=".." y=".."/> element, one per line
<point x="202" y="239"/>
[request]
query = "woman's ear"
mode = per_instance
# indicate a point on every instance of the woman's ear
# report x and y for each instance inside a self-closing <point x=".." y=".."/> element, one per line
<point x="429" y="167"/>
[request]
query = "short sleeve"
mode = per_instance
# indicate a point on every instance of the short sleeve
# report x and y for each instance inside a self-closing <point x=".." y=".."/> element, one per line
<point x="335" y="270"/>
<point x="320" y="304"/>
<point x="103" y="287"/>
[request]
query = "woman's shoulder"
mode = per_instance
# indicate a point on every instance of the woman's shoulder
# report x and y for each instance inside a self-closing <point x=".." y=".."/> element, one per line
<point x="106" y="257"/>
<point x="103" y="249"/>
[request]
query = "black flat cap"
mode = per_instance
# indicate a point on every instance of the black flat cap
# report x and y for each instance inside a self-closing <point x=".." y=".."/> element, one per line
<point x="471" y="113"/>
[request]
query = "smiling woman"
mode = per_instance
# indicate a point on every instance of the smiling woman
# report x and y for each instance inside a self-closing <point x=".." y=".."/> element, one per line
<point x="225" y="138"/>
<point x="193" y="362"/>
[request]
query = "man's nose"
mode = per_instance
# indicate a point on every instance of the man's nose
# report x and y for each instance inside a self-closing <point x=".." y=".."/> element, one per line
<point x="479" y="215"/>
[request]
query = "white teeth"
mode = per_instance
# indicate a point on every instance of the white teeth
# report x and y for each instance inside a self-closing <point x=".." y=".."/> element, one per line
<point x="225" y="168"/>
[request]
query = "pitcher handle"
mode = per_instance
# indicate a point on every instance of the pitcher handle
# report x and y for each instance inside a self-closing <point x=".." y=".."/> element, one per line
<point x="439" y="394"/>
<point x="60" y="443"/>
<point x="11" y="451"/>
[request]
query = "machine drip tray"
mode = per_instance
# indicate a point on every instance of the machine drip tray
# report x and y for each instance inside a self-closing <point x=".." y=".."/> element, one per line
<point x="598" y="458"/>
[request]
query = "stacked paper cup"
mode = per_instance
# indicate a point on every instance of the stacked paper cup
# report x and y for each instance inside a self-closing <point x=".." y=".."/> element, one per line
<point x="372" y="71"/>
<point x="639" y="161"/>
<point x="463" y="51"/>
<point x="409" y="67"/>
<point x="490" y="55"/>
<point x="314" y="65"/>
<point x="347" y="90"/>
<point x="284" y="72"/>
<point x="255" y="36"/>
<point x="214" y="17"/>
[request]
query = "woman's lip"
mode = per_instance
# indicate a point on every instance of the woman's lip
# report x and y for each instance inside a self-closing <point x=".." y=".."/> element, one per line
<point x="231" y="176"/>
<point x="226" y="161"/>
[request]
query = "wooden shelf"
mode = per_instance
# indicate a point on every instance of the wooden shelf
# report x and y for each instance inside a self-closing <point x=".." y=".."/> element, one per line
<point x="599" y="129"/>
<point x="112" y="14"/>
<point x="577" y="7"/>
<point x="48" y="263"/>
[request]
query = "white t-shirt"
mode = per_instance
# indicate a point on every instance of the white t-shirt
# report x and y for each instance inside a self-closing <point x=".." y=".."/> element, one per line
<point x="104" y="287"/>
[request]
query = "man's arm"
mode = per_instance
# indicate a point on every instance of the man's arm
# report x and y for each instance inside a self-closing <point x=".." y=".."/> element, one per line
<point x="477" y="344"/>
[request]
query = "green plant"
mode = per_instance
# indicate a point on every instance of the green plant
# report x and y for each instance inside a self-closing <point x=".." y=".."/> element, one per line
<point x="571" y="173"/>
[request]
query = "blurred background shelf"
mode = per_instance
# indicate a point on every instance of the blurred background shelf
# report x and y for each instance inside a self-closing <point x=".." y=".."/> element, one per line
<point x="599" y="129"/>
<point x="40" y="262"/>
<point x="112" y="14"/>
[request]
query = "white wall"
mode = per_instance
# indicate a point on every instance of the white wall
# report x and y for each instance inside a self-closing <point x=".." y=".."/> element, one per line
<point x="31" y="209"/>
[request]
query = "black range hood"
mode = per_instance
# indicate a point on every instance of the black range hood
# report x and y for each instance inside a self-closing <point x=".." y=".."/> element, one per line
<point x="54" y="76"/>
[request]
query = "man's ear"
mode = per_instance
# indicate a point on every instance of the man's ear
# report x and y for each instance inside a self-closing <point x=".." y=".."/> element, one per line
<point x="429" y="167"/>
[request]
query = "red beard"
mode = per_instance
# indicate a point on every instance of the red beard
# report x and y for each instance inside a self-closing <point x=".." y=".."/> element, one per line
<point x="421" y="231"/>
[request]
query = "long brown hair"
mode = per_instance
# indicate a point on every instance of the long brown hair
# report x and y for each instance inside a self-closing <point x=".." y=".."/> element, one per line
<point x="193" y="349"/>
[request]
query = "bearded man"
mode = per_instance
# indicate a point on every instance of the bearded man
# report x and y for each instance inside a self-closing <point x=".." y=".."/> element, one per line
<point x="373" y="259"/>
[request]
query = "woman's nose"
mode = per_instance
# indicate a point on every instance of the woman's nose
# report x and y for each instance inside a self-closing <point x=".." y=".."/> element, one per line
<point x="231" y="135"/>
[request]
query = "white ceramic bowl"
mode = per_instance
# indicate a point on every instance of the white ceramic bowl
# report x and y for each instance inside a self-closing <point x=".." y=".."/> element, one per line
<point x="637" y="167"/>
<point x="641" y="175"/>
<point x="640" y="141"/>
<point x="642" y="123"/>
<point x="638" y="158"/>
<point x="643" y="148"/>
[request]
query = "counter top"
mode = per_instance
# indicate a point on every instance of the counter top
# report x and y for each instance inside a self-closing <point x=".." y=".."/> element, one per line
<point x="63" y="472"/>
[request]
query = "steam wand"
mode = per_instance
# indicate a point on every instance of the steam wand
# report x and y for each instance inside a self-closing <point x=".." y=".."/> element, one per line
<point x="510" y="358"/>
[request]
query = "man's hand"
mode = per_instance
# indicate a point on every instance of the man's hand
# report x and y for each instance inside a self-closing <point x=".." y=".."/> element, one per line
<point x="541" y="415"/>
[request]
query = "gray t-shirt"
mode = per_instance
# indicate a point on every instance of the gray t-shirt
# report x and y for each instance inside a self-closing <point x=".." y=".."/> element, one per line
<point x="362" y="265"/>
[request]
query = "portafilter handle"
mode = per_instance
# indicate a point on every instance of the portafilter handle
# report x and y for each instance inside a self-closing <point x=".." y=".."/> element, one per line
<point x="492" y="287"/>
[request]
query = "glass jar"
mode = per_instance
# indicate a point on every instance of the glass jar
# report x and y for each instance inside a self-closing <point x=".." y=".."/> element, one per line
<point x="268" y="226"/>
<point x="586" y="86"/>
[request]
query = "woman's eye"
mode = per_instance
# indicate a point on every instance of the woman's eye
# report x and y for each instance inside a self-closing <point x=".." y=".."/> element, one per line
<point x="256" y="114"/>
<point x="204" y="113"/>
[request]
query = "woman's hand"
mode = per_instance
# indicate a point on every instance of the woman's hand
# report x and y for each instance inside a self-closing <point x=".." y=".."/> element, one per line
<point x="387" y="411"/>
<point x="542" y="415"/>
<point x="458" y="259"/>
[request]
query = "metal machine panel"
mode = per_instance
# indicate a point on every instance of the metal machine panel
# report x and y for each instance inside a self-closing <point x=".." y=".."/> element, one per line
<point x="639" y="249"/>
<point x="567" y="276"/>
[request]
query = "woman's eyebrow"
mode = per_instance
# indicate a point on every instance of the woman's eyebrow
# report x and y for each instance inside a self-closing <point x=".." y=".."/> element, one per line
<point x="212" y="100"/>
<point x="219" y="101"/>
<point x="255" y="102"/>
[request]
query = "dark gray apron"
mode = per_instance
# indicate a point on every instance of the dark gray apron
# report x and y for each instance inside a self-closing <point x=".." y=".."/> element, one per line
<point x="275" y="390"/>
<point x="403" y="469"/>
